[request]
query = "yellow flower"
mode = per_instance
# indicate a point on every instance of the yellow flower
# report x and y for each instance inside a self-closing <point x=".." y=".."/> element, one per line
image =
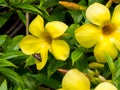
<point x="103" y="32"/>
<point x="75" y="80"/>
<point x="45" y="39"/>
<point x="106" y="86"/>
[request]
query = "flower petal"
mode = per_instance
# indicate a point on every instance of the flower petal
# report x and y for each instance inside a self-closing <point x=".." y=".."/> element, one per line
<point x="37" y="26"/>
<point x="105" y="46"/>
<point x="116" y="16"/>
<point x="56" y="28"/>
<point x="87" y="35"/>
<point x="60" y="49"/>
<point x="98" y="14"/>
<point x="44" y="57"/>
<point x="30" y="44"/>
<point x="116" y="39"/>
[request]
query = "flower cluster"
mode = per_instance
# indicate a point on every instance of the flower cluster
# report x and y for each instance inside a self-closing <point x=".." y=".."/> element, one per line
<point x="102" y="32"/>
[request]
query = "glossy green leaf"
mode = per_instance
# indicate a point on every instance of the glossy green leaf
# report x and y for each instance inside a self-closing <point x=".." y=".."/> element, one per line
<point x="4" y="62"/>
<point x="22" y="16"/>
<point x="12" y="54"/>
<point x="2" y="39"/>
<point x="3" y="86"/>
<point x="14" y="43"/>
<point x="12" y="76"/>
<point x="28" y="7"/>
<point x="110" y="63"/>
<point x="116" y="77"/>
<point x="30" y="61"/>
<point x="71" y="29"/>
<point x="4" y="18"/>
<point x="53" y="66"/>
<point x="76" y="15"/>
<point x="51" y="82"/>
<point x="77" y="54"/>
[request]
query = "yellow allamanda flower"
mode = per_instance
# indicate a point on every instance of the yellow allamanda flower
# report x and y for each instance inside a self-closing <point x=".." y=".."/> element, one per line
<point x="44" y="39"/>
<point x="103" y="32"/>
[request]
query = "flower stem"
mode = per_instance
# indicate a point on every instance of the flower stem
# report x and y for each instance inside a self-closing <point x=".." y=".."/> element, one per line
<point x="27" y="23"/>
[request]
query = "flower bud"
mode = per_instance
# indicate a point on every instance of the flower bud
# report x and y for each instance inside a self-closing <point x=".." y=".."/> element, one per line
<point x="106" y="86"/>
<point x="71" y="5"/>
<point x="116" y="1"/>
<point x="75" y="80"/>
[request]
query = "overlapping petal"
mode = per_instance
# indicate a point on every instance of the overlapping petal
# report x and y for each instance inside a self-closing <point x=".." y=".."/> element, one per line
<point x="116" y="17"/>
<point x="44" y="57"/>
<point x="56" y="28"/>
<point x="98" y="14"/>
<point x="105" y="46"/>
<point x="60" y="49"/>
<point x="30" y="44"/>
<point x="116" y="37"/>
<point x="37" y="26"/>
<point x="87" y="35"/>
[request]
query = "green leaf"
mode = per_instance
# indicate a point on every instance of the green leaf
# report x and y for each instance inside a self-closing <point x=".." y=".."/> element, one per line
<point x="51" y="82"/>
<point x="2" y="39"/>
<point x="28" y="7"/>
<point x="30" y="61"/>
<point x="4" y="18"/>
<point x="30" y="81"/>
<point x="4" y="62"/>
<point x="53" y="66"/>
<point x="71" y="29"/>
<point x="77" y="54"/>
<point x="12" y="54"/>
<point x="14" y="43"/>
<point x="116" y="77"/>
<point x="12" y="76"/>
<point x="110" y="63"/>
<point x="22" y="16"/>
<point x="76" y="15"/>
<point x="4" y="85"/>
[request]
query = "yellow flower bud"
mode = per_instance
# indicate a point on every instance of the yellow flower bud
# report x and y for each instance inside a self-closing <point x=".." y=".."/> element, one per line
<point x="75" y="80"/>
<point x="116" y="1"/>
<point x="71" y="5"/>
<point x="106" y="86"/>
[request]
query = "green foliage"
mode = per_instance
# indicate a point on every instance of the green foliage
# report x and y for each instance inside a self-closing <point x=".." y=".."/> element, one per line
<point x="18" y="70"/>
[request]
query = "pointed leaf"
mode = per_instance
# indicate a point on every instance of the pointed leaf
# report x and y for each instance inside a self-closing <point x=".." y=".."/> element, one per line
<point x="4" y="62"/>
<point x="47" y="81"/>
<point x="4" y="85"/>
<point x="12" y="76"/>
<point x="77" y="54"/>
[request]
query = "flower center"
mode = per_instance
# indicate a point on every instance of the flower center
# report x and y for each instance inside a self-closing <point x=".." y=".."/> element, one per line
<point x="47" y="38"/>
<point x="107" y="29"/>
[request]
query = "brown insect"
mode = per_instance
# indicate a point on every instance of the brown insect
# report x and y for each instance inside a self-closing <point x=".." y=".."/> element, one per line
<point x="37" y="56"/>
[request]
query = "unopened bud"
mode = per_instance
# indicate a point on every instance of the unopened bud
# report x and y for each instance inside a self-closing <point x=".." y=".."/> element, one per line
<point x="106" y="86"/>
<point x="75" y="80"/>
<point x="71" y="5"/>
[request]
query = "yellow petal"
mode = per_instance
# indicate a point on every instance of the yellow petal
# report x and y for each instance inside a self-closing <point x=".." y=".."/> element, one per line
<point x="105" y="46"/>
<point x="116" y="39"/>
<point x="75" y="80"/>
<point x="44" y="57"/>
<point x="87" y="35"/>
<point x="60" y="49"/>
<point x="98" y="14"/>
<point x="56" y="28"/>
<point x="37" y="26"/>
<point x="106" y="86"/>
<point x="116" y="16"/>
<point x="30" y="44"/>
